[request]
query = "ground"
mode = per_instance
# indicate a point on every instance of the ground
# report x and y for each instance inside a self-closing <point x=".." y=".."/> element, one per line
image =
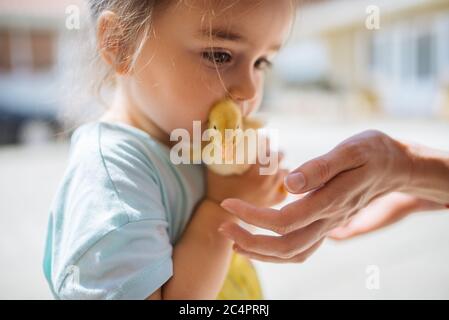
<point x="412" y="257"/>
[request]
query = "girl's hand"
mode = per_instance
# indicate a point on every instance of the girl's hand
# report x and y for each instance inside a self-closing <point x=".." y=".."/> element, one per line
<point x="382" y="212"/>
<point x="251" y="187"/>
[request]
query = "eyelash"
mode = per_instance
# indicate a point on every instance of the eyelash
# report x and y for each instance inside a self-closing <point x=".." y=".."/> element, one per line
<point x="217" y="57"/>
<point x="213" y="57"/>
<point x="268" y="64"/>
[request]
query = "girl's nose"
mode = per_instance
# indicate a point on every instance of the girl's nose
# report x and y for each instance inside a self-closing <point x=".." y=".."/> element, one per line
<point x="243" y="92"/>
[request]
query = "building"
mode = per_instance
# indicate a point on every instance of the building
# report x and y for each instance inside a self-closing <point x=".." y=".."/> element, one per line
<point x="30" y="42"/>
<point x="400" y="66"/>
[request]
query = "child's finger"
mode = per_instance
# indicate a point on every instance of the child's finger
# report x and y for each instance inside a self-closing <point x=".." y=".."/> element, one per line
<point x="285" y="246"/>
<point x="280" y="181"/>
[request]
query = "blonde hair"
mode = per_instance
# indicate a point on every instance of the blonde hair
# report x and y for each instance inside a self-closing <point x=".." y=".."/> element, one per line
<point x="135" y="17"/>
<point x="134" y="25"/>
<point x="88" y="82"/>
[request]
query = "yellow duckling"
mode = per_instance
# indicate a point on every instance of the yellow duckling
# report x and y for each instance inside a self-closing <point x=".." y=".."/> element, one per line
<point x="226" y="119"/>
<point x="241" y="282"/>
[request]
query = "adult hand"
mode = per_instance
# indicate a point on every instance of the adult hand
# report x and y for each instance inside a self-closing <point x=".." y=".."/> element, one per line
<point x="381" y="213"/>
<point x="338" y="185"/>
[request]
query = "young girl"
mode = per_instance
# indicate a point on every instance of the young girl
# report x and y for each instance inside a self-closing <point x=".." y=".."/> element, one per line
<point x="126" y="223"/>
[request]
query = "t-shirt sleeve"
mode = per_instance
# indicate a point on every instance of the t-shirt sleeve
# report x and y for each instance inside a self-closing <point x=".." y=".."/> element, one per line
<point x="130" y="262"/>
<point x="115" y="242"/>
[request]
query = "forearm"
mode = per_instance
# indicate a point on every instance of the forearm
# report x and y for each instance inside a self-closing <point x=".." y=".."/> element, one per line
<point x="201" y="258"/>
<point x="429" y="176"/>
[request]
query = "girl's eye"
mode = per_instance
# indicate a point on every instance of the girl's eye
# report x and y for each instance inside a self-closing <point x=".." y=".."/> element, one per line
<point x="263" y="64"/>
<point x="217" y="57"/>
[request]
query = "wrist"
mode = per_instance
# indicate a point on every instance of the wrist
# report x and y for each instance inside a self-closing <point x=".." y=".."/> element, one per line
<point x="429" y="174"/>
<point x="418" y="168"/>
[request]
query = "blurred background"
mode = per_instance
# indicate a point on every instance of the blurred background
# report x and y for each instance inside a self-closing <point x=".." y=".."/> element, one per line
<point x="342" y="72"/>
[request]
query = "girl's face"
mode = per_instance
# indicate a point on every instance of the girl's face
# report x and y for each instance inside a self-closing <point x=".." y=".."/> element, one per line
<point x="201" y="51"/>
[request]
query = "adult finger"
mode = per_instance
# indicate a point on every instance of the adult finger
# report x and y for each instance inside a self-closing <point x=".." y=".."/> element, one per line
<point x="266" y="218"/>
<point x="334" y="199"/>
<point x="300" y="258"/>
<point x="284" y="247"/>
<point x="318" y="171"/>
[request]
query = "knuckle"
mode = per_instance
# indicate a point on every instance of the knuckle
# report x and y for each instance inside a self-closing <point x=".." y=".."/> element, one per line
<point x="356" y="152"/>
<point x="328" y="213"/>
<point x="377" y="135"/>
<point x="380" y="139"/>
<point x="281" y="229"/>
<point x="284" y="225"/>
<point x="344" y="203"/>
<point x="322" y="167"/>
<point x="373" y="133"/>
<point x="325" y="202"/>
<point x="337" y="222"/>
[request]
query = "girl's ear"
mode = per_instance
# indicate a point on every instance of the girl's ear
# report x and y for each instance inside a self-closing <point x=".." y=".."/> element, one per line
<point x="110" y="42"/>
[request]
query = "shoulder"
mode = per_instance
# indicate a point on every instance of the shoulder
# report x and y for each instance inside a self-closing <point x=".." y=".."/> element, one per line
<point x="110" y="197"/>
<point x="114" y="168"/>
<point x="110" y="142"/>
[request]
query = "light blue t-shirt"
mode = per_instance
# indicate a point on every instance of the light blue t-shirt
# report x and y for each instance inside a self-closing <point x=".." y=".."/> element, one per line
<point x="118" y="212"/>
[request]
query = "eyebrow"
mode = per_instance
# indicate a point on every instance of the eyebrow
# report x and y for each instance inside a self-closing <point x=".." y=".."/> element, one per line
<point x="227" y="35"/>
<point x="221" y="34"/>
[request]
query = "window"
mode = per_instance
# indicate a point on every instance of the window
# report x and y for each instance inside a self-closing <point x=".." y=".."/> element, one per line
<point x="42" y="50"/>
<point x="5" y="51"/>
<point x="406" y="55"/>
<point x="381" y="54"/>
<point x="26" y="50"/>
<point x="425" y="58"/>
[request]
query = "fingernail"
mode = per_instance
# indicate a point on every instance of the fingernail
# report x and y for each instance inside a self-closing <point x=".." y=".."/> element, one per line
<point x="225" y="233"/>
<point x="226" y="206"/>
<point x="295" y="182"/>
